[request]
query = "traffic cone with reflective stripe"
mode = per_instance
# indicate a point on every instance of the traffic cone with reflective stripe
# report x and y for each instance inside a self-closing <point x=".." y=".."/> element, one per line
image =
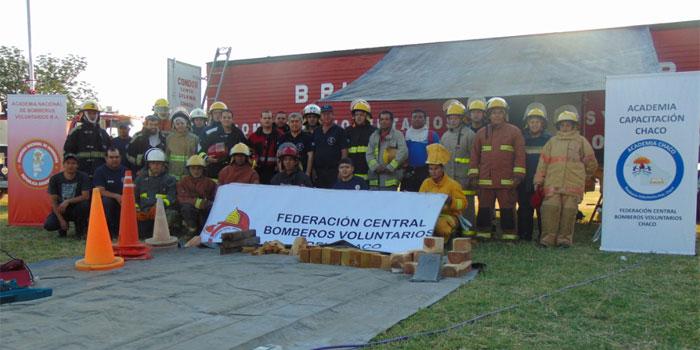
<point x="98" y="248"/>
<point x="161" y="233"/>
<point x="129" y="246"/>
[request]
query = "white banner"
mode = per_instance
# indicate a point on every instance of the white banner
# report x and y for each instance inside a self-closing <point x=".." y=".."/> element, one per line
<point x="651" y="150"/>
<point x="381" y="221"/>
<point x="184" y="85"/>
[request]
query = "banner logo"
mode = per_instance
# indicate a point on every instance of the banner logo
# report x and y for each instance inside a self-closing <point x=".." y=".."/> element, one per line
<point x="36" y="161"/>
<point x="650" y="169"/>
<point x="237" y="220"/>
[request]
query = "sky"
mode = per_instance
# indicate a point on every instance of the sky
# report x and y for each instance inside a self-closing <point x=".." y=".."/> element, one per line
<point x="127" y="42"/>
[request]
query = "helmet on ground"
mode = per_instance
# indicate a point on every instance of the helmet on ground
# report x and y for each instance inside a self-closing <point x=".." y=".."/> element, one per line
<point x="155" y="155"/>
<point x="360" y="105"/>
<point x="287" y="149"/>
<point x="195" y="160"/>
<point x="240" y="148"/>
<point x="312" y="109"/>
<point x="535" y="110"/>
<point x="456" y="108"/>
<point x="90" y="105"/>
<point x="496" y="102"/>
<point x="476" y="104"/>
<point x="437" y="154"/>
<point x="217" y="106"/>
<point x="198" y="113"/>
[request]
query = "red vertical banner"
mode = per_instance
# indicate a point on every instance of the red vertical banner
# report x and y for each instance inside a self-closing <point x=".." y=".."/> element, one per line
<point x="593" y="118"/>
<point x="36" y="133"/>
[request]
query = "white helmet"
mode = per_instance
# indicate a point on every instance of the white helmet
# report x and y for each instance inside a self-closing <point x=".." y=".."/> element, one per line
<point x="312" y="109"/>
<point x="198" y="113"/>
<point x="155" y="155"/>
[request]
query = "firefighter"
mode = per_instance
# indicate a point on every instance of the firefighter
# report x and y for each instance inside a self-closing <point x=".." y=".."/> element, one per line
<point x="302" y="139"/>
<point x="291" y="173"/>
<point x="458" y="140"/>
<point x="497" y="167"/>
<point x="121" y="142"/>
<point x="439" y="182"/>
<point x="240" y="170"/>
<point x="153" y="183"/>
<point x="195" y="195"/>
<point x="149" y="137"/>
<point x="476" y="107"/>
<point x="536" y="136"/>
<point x="217" y="144"/>
<point x="386" y="153"/>
<point x="263" y="142"/>
<point x="109" y="179"/>
<point x="347" y="180"/>
<point x="69" y="191"/>
<point x="180" y="144"/>
<point x="358" y="136"/>
<point x="199" y="122"/>
<point x="311" y="114"/>
<point x="161" y="109"/>
<point x="331" y="146"/>
<point x="216" y="110"/>
<point x="566" y="161"/>
<point x="281" y="121"/>
<point x="88" y="141"/>
<point x="418" y="136"/>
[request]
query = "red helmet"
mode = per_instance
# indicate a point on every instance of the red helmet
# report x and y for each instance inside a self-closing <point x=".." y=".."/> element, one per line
<point x="287" y="149"/>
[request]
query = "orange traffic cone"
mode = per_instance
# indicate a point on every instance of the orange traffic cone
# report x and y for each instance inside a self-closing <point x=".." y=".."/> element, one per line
<point x="129" y="246"/>
<point x="161" y="233"/>
<point x="98" y="248"/>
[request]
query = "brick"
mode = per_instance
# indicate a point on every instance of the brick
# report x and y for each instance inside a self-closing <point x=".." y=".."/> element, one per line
<point x="409" y="267"/>
<point x="326" y="255"/>
<point x="375" y="261"/>
<point x="336" y="255"/>
<point x="396" y="260"/>
<point x="299" y="243"/>
<point x="304" y="255"/>
<point x="456" y="257"/>
<point x="366" y="259"/>
<point x="456" y="270"/>
<point x="345" y="256"/>
<point x="248" y="250"/>
<point x="462" y="244"/>
<point x="355" y="258"/>
<point x="414" y="254"/>
<point x="235" y="236"/>
<point x="386" y="262"/>
<point x="315" y="255"/>
<point x="433" y="245"/>
<point x="229" y="250"/>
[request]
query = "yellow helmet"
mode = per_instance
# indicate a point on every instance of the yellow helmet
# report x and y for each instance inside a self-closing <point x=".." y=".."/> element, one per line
<point x="496" y="102"/>
<point x="535" y="109"/>
<point x="217" y="106"/>
<point x="535" y="112"/>
<point x="476" y="103"/>
<point x="360" y="105"/>
<point x="161" y="108"/>
<point x="90" y="105"/>
<point x="456" y="108"/>
<point x="437" y="154"/>
<point x="240" y="148"/>
<point x="161" y="102"/>
<point x="567" y="116"/>
<point x="195" y="160"/>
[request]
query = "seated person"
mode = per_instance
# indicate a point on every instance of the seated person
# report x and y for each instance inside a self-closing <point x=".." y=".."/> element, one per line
<point x="439" y="182"/>
<point x="292" y="173"/>
<point x="239" y="170"/>
<point x="195" y="195"/>
<point x="347" y="179"/>
<point x="70" y="199"/>
<point x="153" y="184"/>
<point x="108" y="179"/>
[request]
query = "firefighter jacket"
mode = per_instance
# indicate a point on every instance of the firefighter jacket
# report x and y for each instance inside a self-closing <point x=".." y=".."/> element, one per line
<point x="449" y="187"/>
<point x="178" y="148"/>
<point x="216" y="135"/>
<point x="196" y="191"/>
<point x="358" y="137"/>
<point x="533" y="148"/>
<point x="264" y="147"/>
<point x="89" y="143"/>
<point x="389" y="150"/>
<point x="149" y="188"/>
<point x="240" y="174"/>
<point x="459" y="143"/>
<point x="565" y="162"/>
<point x="498" y="157"/>
<point x="138" y="147"/>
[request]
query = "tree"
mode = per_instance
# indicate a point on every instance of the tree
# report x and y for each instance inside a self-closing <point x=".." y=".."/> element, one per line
<point x="54" y="75"/>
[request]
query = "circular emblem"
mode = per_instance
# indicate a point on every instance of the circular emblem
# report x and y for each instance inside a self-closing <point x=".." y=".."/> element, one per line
<point x="331" y="141"/>
<point x="36" y="161"/>
<point x="649" y="170"/>
<point x="300" y="147"/>
<point x="357" y="187"/>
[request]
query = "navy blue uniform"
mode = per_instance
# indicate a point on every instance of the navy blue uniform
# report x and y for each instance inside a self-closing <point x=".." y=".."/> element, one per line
<point x="304" y="143"/>
<point x="113" y="181"/>
<point x="355" y="183"/>
<point x="533" y="148"/>
<point x="327" y="154"/>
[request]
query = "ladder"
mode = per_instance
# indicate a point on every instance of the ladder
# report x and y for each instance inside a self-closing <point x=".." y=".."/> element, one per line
<point x="211" y="81"/>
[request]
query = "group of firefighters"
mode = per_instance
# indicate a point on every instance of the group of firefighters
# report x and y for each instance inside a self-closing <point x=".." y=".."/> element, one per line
<point x="480" y="155"/>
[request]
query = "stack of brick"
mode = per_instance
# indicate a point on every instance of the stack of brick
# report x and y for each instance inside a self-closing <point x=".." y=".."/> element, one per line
<point x="234" y="242"/>
<point x="343" y="257"/>
<point x="458" y="259"/>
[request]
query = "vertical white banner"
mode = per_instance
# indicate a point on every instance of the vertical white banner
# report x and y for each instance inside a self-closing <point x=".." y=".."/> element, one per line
<point x="184" y="85"/>
<point x="651" y="151"/>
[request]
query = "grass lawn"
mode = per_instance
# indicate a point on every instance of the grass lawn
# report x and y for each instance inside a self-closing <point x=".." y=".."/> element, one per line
<point x="654" y="306"/>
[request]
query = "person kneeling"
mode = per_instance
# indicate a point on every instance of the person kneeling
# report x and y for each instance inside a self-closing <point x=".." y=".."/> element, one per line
<point x="291" y="173"/>
<point x="439" y="182"/>
<point x="153" y="184"/>
<point x="240" y="170"/>
<point x="347" y="180"/>
<point x="70" y="194"/>
<point x="195" y="195"/>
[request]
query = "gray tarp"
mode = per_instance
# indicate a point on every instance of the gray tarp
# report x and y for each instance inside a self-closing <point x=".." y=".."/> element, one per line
<point x="523" y="65"/>
<point x="197" y="299"/>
